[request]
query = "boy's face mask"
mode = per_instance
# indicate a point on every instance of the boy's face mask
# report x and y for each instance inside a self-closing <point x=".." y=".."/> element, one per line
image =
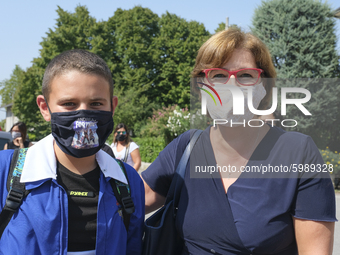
<point x="81" y="133"/>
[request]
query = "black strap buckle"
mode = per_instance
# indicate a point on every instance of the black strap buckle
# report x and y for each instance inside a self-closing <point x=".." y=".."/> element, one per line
<point x="128" y="205"/>
<point x="14" y="199"/>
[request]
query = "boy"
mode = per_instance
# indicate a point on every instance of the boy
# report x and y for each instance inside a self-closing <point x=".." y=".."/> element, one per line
<point x="71" y="207"/>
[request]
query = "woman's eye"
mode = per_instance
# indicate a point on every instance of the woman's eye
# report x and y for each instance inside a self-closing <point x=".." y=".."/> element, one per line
<point x="246" y="75"/>
<point x="219" y="75"/>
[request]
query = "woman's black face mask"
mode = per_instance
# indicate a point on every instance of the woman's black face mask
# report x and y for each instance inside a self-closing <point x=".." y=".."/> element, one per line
<point x="121" y="137"/>
<point x="81" y="133"/>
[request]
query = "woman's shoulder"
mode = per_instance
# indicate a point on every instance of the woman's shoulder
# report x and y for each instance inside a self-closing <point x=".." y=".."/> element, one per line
<point x="133" y="144"/>
<point x="291" y="144"/>
<point x="289" y="137"/>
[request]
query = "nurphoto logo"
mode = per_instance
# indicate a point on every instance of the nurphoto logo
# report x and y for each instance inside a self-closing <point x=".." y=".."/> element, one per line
<point x="238" y="97"/>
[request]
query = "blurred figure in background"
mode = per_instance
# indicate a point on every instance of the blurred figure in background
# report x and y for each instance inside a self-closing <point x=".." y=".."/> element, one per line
<point x="124" y="148"/>
<point x="19" y="135"/>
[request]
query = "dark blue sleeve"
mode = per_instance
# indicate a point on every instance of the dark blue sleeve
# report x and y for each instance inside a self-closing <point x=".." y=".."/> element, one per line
<point x="160" y="173"/>
<point x="315" y="197"/>
<point x="136" y="227"/>
<point x="5" y="162"/>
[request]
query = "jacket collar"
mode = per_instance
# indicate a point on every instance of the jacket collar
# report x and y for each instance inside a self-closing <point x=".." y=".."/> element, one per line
<point x="41" y="163"/>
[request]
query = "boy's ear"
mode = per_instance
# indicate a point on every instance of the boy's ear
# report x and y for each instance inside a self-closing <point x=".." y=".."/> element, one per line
<point x="43" y="107"/>
<point x="114" y="104"/>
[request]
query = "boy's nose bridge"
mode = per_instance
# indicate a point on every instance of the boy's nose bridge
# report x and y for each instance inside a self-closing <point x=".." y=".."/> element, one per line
<point x="83" y="106"/>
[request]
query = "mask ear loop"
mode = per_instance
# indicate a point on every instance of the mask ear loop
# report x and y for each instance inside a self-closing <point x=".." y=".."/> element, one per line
<point x="48" y="106"/>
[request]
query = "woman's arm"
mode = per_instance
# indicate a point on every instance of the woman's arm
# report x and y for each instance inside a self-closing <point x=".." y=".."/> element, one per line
<point x="153" y="200"/>
<point x="5" y="146"/>
<point x="135" y="156"/>
<point x="314" y="237"/>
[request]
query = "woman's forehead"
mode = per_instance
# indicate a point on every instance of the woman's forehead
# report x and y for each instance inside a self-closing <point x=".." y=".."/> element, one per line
<point x="240" y="58"/>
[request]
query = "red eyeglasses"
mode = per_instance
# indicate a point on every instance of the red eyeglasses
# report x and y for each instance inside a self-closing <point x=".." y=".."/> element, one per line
<point x="245" y="77"/>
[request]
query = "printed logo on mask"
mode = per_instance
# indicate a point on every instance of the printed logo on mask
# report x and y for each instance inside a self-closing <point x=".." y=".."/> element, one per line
<point x="85" y="135"/>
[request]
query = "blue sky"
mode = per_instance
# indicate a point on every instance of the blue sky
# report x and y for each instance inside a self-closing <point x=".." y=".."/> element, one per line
<point x="23" y="23"/>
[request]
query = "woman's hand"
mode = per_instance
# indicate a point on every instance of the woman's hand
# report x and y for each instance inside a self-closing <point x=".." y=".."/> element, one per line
<point x="19" y="141"/>
<point x="314" y="237"/>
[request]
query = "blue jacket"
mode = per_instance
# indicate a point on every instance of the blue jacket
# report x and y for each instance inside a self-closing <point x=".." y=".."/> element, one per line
<point x="41" y="224"/>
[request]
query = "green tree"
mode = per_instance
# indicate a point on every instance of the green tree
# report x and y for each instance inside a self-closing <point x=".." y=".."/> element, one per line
<point x="177" y="46"/>
<point x="154" y="58"/>
<point x="300" y="35"/>
<point x="150" y="58"/>
<point x="221" y="27"/>
<point x="132" y="34"/>
<point x="3" y="124"/>
<point x="9" y="87"/>
<point x="72" y="30"/>
<point x="25" y="107"/>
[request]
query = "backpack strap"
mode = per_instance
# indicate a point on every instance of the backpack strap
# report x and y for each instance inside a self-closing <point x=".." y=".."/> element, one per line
<point x="123" y="196"/>
<point x="16" y="190"/>
<point x="126" y="153"/>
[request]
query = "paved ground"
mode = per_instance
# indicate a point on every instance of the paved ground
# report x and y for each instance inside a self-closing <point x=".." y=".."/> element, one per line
<point x="336" y="249"/>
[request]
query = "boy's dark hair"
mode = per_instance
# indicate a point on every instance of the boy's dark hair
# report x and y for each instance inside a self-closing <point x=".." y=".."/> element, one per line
<point x="79" y="60"/>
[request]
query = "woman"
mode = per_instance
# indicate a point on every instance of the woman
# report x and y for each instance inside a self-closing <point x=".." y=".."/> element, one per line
<point x="273" y="119"/>
<point x="234" y="212"/>
<point x="124" y="148"/>
<point x="19" y="134"/>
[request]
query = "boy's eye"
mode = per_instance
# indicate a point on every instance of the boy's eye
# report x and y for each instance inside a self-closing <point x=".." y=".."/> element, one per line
<point x="96" y="104"/>
<point x="68" y="104"/>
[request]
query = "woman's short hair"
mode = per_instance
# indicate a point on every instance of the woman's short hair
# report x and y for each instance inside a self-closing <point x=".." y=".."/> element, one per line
<point x="219" y="48"/>
<point x="22" y="128"/>
<point x="128" y="138"/>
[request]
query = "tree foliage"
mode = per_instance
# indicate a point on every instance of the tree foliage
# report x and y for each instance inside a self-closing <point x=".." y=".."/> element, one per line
<point x="300" y="35"/>
<point x="73" y="30"/>
<point x="150" y="58"/>
<point x="9" y="87"/>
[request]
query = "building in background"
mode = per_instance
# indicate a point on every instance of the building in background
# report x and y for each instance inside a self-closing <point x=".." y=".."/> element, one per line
<point x="10" y="118"/>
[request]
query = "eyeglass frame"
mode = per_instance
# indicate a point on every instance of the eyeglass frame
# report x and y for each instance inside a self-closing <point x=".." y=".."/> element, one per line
<point x="121" y="132"/>
<point x="260" y="71"/>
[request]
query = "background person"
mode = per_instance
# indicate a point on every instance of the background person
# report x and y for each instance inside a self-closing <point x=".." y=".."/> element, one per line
<point x="124" y="148"/>
<point x="19" y="135"/>
<point x="235" y="213"/>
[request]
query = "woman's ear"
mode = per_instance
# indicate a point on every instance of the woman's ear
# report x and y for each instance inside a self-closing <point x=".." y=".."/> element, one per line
<point x="43" y="107"/>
